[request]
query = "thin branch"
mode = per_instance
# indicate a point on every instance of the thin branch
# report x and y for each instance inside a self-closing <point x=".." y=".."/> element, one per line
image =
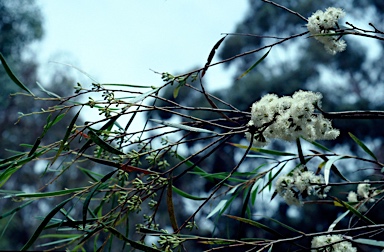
<point x="286" y="9"/>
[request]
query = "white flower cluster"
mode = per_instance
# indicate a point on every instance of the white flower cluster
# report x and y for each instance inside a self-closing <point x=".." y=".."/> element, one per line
<point x="288" y="118"/>
<point x="364" y="192"/>
<point x="322" y="24"/>
<point x="299" y="184"/>
<point x="340" y="246"/>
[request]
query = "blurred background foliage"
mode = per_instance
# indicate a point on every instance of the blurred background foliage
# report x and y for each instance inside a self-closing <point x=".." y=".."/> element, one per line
<point x="22" y="25"/>
<point x="352" y="80"/>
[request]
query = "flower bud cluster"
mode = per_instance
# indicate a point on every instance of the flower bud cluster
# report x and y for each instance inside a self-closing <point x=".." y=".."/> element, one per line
<point x="322" y="25"/>
<point x="299" y="184"/>
<point x="288" y="118"/>
<point x="338" y="243"/>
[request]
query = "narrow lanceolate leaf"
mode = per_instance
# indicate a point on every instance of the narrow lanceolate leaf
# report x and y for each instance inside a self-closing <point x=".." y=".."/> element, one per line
<point x="354" y="211"/>
<point x="90" y="195"/>
<point x="182" y="126"/>
<point x="186" y="195"/>
<point x="218" y="208"/>
<point x="370" y="242"/>
<point x="333" y="167"/>
<point x="134" y="244"/>
<point x="211" y="55"/>
<point x="12" y="75"/>
<point x="66" y="136"/>
<point x="38" y="195"/>
<point x="254" y="65"/>
<point x="141" y="97"/>
<point x="46" y="91"/>
<point x="333" y="225"/>
<point x="256" y="224"/>
<point x="176" y="91"/>
<point x="362" y="145"/>
<point x="327" y="167"/>
<point x="43" y="224"/>
<point x="15" y="209"/>
<point x="284" y="225"/>
<point x="171" y="207"/>
<point x="270" y="152"/>
<point x="104" y="145"/>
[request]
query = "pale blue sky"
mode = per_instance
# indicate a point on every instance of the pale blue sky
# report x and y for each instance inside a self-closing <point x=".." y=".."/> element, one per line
<point x="120" y="40"/>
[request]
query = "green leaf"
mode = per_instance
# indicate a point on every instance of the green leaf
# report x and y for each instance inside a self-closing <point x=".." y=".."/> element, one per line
<point x="211" y="55"/>
<point x="354" y="211"/>
<point x="66" y="136"/>
<point x="333" y="167"/>
<point x="191" y="164"/>
<point x="176" y="91"/>
<point x="271" y="178"/>
<point x="171" y="207"/>
<point x="254" y="65"/>
<point x="270" y="152"/>
<point x="134" y="244"/>
<point x="128" y="85"/>
<point x="5" y="175"/>
<point x="182" y="126"/>
<point x="222" y="206"/>
<point x="369" y="242"/>
<point x="256" y="224"/>
<point x="15" y="209"/>
<point x="320" y="146"/>
<point x="328" y="165"/>
<point x="43" y="224"/>
<point x="44" y="194"/>
<point x="13" y="76"/>
<point x="362" y="145"/>
<point x="333" y="225"/>
<point x="90" y="195"/>
<point x="105" y="146"/>
<point x="46" y="91"/>
<point x="142" y="96"/>
<point x="254" y="191"/>
<point x="284" y="225"/>
<point x="186" y="195"/>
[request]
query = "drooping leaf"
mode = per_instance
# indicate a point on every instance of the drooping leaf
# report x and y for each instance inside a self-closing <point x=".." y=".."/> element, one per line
<point x="176" y="91"/>
<point x="104" y="145"/>
<point x="218" y="208"/>
<point x="255" y="64"/>
<point x="370" y="242"/>
<point x="66" y="136"/>
<point x="354" y="211"/>
<point x="134" y="244"/>
<point x="256" y="224"/>
<point x="44" y="223"/>
<point x="46" y="91"/>
<point x="183" y="127"/>
<point x="186" y="195"/>
<point x="39" y="195"/>
<point x="171" y="207"/>
<point x="211" y="55"/>
<point x="13" y="76"/>
<point x="362" y="145"/>
<point x="15" y="209"/>
<point x="333" y="167"/>
<point x="90" y="195"/>
<point x="320" y="146"/>
<point x="328" y="165"/>
<point x="284" y="225"/>
<point x="270" y="152"/>
<point x="141" y="97"/>
<point x="334" y="223"/>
